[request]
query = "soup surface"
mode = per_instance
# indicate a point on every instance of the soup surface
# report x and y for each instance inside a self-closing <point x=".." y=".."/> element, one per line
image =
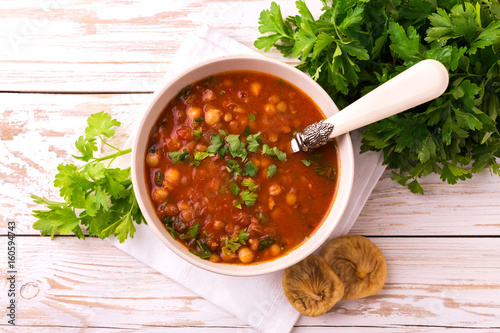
<point x="221" y="173"/>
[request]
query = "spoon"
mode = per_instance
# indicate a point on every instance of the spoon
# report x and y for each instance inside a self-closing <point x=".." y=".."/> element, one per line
<point x="420" y="83"/>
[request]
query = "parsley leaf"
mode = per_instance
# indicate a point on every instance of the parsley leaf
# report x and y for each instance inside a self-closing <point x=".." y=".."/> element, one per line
<point x="103" y="196"/>
<point x="178" y="155"/>
<point x="271" y="170"/>
<point x="248" y="197"/>
<point x="250" y="169"/>
<point x="234" y="243"/>
<point x="215" y="144"/>
<point x="253" y="142"/>
<point x="265" y="243"/>
<point x="192" y="233"/>
<point x="248" y="182"/>
<point x="354" y="46"/>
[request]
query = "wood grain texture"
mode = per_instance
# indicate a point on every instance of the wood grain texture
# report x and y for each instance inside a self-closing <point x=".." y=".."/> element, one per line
<point x="111" y="46"/>
<point x="431" y="282"/>
<point x="467" y="208"/>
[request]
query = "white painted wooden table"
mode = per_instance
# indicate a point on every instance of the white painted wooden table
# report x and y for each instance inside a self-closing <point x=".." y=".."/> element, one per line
<point x="61" y="61"/>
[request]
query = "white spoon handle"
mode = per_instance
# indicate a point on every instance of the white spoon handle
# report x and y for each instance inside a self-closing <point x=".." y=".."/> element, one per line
<point x="418" y="84"/>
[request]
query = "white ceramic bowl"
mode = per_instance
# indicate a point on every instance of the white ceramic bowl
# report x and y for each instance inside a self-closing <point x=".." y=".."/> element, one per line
<point x="228" y="63"/>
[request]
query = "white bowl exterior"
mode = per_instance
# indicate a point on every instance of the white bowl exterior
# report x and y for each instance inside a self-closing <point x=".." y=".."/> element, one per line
<point x="222" y="64"/>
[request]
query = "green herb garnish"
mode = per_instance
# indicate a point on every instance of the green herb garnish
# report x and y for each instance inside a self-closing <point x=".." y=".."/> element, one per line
<point x="177" y="156"/>
<point x="201" y="155"/>
<point x="97" y="198"/>
<point x="248" y="182"/>
<point x="191" y="233"/>
<point x="247" y="131"/>
<point x="159" y="178"/>
<point x="250" y="169"/>
<point x="233" y="167"/>
<point x="204" y="251"/>
<point x="253" y="142"/>
<point x="215" y="144"/>
<point x="248" y="197"/>
<point x="197" y="133"/>
<point x="271" y="170"/>
<point x="354" y="46"/>
<point x="279" y="154"/>
<point x="234" y="243"/>
<point x="266" y="242"/>
<point x="233" y="187"/>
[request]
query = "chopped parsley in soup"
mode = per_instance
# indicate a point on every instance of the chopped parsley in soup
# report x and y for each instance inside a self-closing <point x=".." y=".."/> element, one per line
<point x="221" y="174"/>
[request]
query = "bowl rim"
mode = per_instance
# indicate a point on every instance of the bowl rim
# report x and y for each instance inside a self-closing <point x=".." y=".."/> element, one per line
<point x="170" y="89"/>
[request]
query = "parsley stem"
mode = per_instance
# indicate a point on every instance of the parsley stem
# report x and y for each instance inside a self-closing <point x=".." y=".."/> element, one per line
<point x="109" y="145"/>
<point x="107" y="157"/>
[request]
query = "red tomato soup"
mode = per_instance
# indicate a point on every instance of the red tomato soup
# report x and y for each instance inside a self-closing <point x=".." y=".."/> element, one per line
<point x="221" y="174"/>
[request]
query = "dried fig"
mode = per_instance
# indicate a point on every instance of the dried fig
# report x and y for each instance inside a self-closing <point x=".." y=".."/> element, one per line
<point x="311" y="286"/>
<point x="359" y="264"/>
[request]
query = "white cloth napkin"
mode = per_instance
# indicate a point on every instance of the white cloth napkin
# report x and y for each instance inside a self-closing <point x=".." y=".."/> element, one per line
<point x="258" y="301"/>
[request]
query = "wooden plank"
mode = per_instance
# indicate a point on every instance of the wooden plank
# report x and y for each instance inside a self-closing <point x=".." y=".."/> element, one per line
<point x="111" y="46"/>
<point x="466" y="208"/>
<point x="54" y="122"/>
<point x="431" y="282"/>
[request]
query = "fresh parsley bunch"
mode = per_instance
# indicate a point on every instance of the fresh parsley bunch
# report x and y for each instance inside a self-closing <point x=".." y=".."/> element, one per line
<point x="96" y="197"/>
<point x="355" y="46"/>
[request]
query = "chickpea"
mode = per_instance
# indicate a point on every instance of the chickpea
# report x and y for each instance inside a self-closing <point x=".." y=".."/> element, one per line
<point x="212" y="245"/>
<point x="214" y="258"/>
<point x="173" y="144"/>
<point x="255" y="88"/>
<point x="194" y="112"/>
<point x="212" y="116"/>
<point x="274" y="250"/>
<point x="239" y="109"/>
<point x="228" y="257"/>
<point x="243" y="121"/>
<point x="265" y="161"/>
<point x="208" y="95"/>
<point x="273" y="137"/>
<point x="187" y="215"/>
<point x="234" y="126"/>
<point x="201" y="147"/>
<point x="291" y="198"/>
<point x="227" y="117"/>
<point x="286" y="129"/>
<point x="274" y="99"/>
<point x="229" y="228"/>
<point x="173" y="176"/>
<point x="183" y="205"/>
<point x="254" y="244"/>
<point x="274" y="189"/>
<point x="270" y="109"/>
<point x="160" y="195"/>
<point x="296" y="123"/>
<point x="171" y="210"/>
<point x="272" y="203"/>
<point x="282" y="107"/>
<point x="219" y="225"/>
<point x="152" y="159"/>
<point x="246" y="255"/>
